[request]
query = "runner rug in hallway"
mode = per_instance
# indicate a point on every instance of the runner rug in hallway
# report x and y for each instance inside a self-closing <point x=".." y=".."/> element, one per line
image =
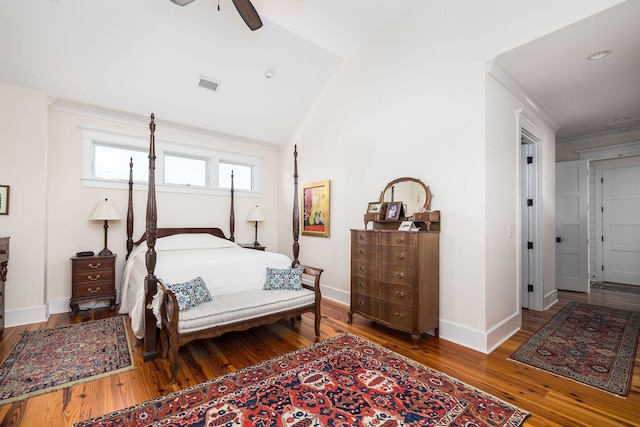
<point x="591" y="344"/>
<point x="50" y="359"/>
<point x="344" y="380"/>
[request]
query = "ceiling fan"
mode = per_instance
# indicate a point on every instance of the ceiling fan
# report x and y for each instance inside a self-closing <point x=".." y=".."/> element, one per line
<point x="245" y="9"/>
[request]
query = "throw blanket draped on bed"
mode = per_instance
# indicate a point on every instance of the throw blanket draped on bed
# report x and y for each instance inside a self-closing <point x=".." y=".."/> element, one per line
<point x="224" y="266"/>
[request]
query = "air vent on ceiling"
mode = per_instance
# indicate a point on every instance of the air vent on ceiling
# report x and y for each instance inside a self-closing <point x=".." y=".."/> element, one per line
<point x="208" y="83"/>
<point x="623" y="124"/>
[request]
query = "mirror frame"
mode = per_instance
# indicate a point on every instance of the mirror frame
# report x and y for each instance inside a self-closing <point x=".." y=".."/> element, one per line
<point x="427" y="202"/>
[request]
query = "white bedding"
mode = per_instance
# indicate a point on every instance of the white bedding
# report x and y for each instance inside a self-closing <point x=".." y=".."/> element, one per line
<point x="223" y="265"/>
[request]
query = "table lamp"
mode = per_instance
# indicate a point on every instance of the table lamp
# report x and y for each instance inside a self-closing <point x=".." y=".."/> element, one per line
<point x="105" y="211"/>
<point x="256" y="214"/>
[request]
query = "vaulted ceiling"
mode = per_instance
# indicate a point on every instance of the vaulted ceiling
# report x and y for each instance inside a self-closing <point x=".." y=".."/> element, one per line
<point x="149" y="56"/>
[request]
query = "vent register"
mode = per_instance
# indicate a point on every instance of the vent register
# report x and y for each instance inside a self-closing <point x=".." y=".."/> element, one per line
<point x="209" y="84"/>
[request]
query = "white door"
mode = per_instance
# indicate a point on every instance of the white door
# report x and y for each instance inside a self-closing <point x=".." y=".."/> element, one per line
<point x="621" y="225"/>
<point x="572" y="270"/>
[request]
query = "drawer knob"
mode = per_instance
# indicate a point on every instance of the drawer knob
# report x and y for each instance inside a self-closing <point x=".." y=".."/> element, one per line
<point x="361" y="267"/>
<point x="399" y="239"/>
<point x="399" y="315"/>
<point x="3" y="251"/>
<point x="360" y="302"/>
<point x="361" y="251"/>
<point x="93" y="291"/>
<point x="94" y="278"/>
<point x="94" y="266"/>
<point x="361" y="236"/>
<point x="400" y="256"/>
<point x="361" y="284"/>
<point x="400" y="275"/>
<point x="399" y="294"/>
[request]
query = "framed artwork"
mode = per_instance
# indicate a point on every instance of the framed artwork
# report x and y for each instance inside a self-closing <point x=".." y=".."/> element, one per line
<point x="315" y="202"/>
<point x="393" y="211"/>
<point x="374" y="207"/>
<point x="4" y="200"/>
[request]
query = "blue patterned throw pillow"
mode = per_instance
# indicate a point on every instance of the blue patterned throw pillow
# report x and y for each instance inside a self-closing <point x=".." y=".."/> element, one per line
<point x="190" y="294"/>
<point x="286" y="278"/>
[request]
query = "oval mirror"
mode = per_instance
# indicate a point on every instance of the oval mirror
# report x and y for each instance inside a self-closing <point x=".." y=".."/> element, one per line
<point x="410" y="191"/>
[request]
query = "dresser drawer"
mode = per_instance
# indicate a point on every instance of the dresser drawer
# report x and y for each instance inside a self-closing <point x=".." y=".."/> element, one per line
<point x="93" y="289"/>
<point x="397" y="255"/>
<point x="363" y="268"/>
<point x="92" y="264"/>
<point x="364" y="304"/>
<point x="399" y="238"/>
<point x="4" y="250"/>
<point x="89" y="277"/>
<point x="366" y="253"/>
<point x="398" y="294"/>
<point x="364" y="285"/>
<point x="396" y="274"/>
<point x="363" y="237"/>
<point x="397" y="316"/>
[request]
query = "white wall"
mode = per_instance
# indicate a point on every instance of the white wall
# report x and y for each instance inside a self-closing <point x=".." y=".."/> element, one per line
<point x="42" y="161"/>
<point x="412" y="103"/>
<point x="23" y="166"/>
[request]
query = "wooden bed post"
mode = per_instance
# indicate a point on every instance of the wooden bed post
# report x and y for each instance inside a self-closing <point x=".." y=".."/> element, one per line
<point x="296" y="209"/>
<point x="150" y="281"/>
<point x="130" y="211"/>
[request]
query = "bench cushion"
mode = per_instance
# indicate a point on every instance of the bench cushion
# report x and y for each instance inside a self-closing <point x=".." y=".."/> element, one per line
<point x="230" y="308"/>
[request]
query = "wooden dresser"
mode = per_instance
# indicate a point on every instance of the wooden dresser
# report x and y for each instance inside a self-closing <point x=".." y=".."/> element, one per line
<point x="92" y="278"/>
<point x="395" y="279"/>
<point x="4" y="262"/>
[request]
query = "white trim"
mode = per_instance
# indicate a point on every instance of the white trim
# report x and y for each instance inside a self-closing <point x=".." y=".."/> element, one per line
<point x="602" y="137"/>
<point x="550" y="299"/>
<point x="504" y="76"/>
<point x="610" y="151"/>
<point x="337" y="295"/>
<point x="27" y="315"/>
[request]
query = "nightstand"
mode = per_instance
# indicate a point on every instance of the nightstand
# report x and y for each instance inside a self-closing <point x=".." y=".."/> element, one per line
<point x="251" y="246"/>
<point x="4" y="261"/>
<point x="92" y="278"/>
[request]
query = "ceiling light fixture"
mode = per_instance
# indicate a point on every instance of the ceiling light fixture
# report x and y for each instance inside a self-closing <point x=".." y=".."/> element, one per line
<point x="598" y="55"/>
<point x="268" y="74"/>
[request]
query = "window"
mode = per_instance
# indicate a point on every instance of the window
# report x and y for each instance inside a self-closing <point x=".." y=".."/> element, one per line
<point x="242" y="176"/>
<point x="179" y="167"/>
<point x="183" y="170"/>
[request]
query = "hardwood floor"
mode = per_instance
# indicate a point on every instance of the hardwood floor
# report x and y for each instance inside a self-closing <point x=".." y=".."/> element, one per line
<point x="552" y="401"/>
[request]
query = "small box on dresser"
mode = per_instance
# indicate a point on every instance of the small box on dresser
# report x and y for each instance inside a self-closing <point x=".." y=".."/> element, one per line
<point x="92" y="278"/>
<point x="4" y="262"/>
<point x="395" y="279"/>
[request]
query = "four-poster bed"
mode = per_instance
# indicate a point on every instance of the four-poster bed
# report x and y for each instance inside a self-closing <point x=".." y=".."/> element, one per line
<point x="237" y="279"/>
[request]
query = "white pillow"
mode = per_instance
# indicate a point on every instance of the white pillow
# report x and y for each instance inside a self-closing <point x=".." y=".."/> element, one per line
<point x="192" y="241"/>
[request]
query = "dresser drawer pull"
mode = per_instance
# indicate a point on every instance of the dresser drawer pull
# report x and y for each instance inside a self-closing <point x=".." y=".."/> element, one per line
<point x="361" y="267"/>
<point x="400" y="275"/>
<point x="94" y="278"/>
<point x="400" y="256"/>
<point x="360" y="302"/>
<point x="361" y="251"/>
<point x="361" y="236"/>
<point x="94" y="266"/>
<point x="361" y="284"/>
<point x="399" y="315"/>
<point x="92" y="291"/>
<point x="399" y="239"/>
<point x="3" y="251"/>
<point x="400" y="294"/>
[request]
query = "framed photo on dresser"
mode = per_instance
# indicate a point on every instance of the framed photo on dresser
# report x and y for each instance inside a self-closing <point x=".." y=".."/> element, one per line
<point x="393" y="211"/>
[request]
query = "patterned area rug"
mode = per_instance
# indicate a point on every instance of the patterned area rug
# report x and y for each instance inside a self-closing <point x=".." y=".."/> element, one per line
<point x="342" y="381"/>
<point x="51" y="359"/>
<point x="590" y="344"/>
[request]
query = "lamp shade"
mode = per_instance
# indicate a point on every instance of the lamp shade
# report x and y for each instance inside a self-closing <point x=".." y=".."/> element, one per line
<point x="105" y="210"/>
<point x="256" y="214"/>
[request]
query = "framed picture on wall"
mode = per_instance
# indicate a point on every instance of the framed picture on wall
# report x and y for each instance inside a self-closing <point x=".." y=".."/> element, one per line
<point x="315" y="201"/>
<point x="4" y="200"/>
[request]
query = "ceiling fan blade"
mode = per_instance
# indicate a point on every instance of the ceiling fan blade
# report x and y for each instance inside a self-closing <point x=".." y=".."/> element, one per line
<point x="248" y="13"/>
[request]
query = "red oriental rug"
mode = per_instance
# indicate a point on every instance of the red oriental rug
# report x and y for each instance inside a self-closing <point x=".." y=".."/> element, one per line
<point x="342" y="381"/>
<point x="50" y="359"/>
<point x="591" y="344"/>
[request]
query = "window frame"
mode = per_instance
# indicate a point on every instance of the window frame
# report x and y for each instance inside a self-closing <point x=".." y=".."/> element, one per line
<point x="92" y="137"/>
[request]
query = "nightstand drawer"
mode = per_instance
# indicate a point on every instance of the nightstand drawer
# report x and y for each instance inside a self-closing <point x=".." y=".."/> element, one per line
<point x="88" y="277"/>
<point x="93" y="264"/>
<point x="4" y="250"/>
<point x="93" y="289"/>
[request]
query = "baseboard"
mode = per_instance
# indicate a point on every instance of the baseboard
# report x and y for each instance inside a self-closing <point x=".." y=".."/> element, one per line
<point x="482" y="341"/>
<point x="550" y="299"/>
<point x="337" y="295"/>
<point x="26" y="316"/>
